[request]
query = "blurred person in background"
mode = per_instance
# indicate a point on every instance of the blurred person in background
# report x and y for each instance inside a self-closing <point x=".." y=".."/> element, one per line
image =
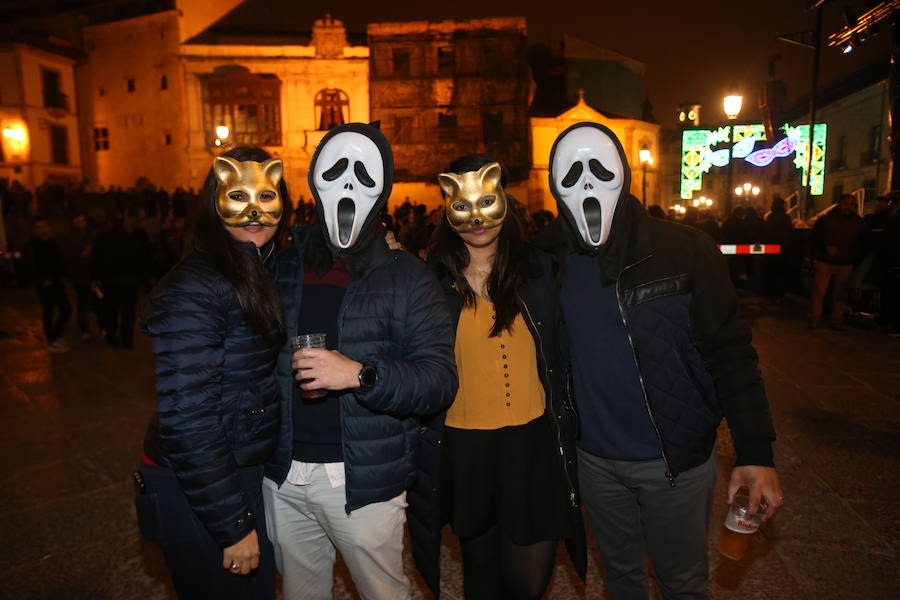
<point x="837" y="245"/>
<point x="45" y="257"/>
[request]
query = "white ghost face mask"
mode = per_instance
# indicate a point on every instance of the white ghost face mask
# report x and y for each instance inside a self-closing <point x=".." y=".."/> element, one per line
<point x="348" y="174"/>
<point x="588" y="175"/>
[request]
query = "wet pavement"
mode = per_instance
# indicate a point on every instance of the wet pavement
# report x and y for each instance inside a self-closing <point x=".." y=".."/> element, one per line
<point x="72" y="424"/>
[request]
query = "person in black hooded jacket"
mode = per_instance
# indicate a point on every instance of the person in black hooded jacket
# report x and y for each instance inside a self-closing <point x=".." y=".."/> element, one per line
<point x="659" y="356"/>
<point x="215" y="326"/>
<point x="338" y="480"/>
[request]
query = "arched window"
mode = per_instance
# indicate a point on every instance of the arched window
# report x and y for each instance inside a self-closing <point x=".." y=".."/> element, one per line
<point x="332" y="108"/>
<point x="248" y="104"/>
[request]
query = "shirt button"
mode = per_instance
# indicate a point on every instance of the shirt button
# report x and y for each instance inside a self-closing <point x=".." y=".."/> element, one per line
<point x="507" y="394"/>
<point x="505" y="366"/>
<point x="508" y="404"/>
<point x="506" y="384"/>
<point x="502" y="346"/>
<point x="506" y="374"/>
<point x="504" y="356"/>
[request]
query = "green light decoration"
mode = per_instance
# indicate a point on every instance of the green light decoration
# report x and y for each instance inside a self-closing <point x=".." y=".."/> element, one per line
<point x="697" y="145"/>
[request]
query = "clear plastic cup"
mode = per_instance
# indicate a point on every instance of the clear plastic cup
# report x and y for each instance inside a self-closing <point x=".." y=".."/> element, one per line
<point x="309" y="340"/>
<point x="739" y="526"/>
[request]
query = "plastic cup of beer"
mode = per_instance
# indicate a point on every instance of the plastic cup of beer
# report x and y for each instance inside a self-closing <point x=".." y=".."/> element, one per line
<point x="309" y="340"/>
<point x="739" y="526"/>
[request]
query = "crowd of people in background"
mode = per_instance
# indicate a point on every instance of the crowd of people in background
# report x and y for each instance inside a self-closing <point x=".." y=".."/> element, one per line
<point x="113" y="245"/>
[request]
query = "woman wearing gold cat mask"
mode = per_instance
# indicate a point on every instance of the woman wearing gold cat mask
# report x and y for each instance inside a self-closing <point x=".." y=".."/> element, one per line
<point x="215" y="324"/>
<point x="499" y="464"/>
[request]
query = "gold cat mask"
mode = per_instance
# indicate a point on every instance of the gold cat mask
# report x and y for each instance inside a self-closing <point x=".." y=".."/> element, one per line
<point x="248" y="191"/>
<point x="474" y="200"/>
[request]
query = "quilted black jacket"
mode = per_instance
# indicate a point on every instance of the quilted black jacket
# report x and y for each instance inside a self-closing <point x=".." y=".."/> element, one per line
<point x="394" y="318"/>
<point x="694" y="355"/>
<point x="218" y="405"/>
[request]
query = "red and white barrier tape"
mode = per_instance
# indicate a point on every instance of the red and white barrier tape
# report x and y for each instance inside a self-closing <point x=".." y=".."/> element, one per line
<point x="750" y="248"/>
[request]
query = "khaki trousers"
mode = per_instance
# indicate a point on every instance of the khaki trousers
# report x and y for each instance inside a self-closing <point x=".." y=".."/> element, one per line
<point x="837" y="276"/>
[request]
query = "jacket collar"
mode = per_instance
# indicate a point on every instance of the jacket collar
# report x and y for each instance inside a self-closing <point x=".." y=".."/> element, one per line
<point x="378" y="254"/>
<point x="629" y="239"/>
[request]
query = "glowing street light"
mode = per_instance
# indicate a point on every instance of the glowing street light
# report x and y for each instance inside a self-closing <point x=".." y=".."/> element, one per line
<point x="646" y="158"/>
<point x="16" y="134"/>
<point x="732" y="105"/>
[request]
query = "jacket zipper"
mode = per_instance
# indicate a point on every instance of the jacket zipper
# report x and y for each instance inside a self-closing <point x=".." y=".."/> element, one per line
<point x="637" y="365"/>
<point x="553" y="416"/>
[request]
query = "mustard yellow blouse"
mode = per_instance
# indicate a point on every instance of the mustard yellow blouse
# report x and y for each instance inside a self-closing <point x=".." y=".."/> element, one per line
<point x="498" y="378"/>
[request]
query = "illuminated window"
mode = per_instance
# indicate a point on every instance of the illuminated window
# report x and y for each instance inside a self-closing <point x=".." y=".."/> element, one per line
<point x="248" y="104"/>
<point x="101" y="139"/>
<point x="332" y="108"/>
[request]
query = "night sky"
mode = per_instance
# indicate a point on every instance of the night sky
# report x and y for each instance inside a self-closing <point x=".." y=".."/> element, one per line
<point x="693" y="49"/>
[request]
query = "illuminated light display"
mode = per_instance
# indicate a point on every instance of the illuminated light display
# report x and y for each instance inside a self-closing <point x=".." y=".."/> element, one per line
<point x="761" y="158"/>
<point x="698" y="155"/>
<point x="719" y="158"/>
<point x="742" y="148"/>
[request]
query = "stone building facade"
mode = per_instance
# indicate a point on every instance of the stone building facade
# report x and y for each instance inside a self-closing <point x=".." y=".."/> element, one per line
<point x="159" y="106"/>
<point x="447" y="88"/>
<point x="634" y="134"/>
<point x="39" y="136"/>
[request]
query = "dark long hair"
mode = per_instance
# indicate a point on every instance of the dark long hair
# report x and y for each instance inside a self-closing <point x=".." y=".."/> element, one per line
<point x="245" y="271"/>
<point x="509" y="261"/>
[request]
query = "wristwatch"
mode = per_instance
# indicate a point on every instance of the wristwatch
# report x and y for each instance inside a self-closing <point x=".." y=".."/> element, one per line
<point x="367" y="377"/>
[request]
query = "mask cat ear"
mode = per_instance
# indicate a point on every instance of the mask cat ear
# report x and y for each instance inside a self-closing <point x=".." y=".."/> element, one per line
<point x="490" y="173"/>
<point x="226" y="169"/>
<point x="273" y="169"/>
<point x="450" y="184"/>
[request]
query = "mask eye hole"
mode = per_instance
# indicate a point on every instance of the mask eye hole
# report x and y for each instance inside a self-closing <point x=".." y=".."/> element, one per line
<point x="599" y="171"/>
<point x="335" y="171"/>
<point x="363" y="175"/>
<point x="267" y="196"/>
<point x="460" y="206"/>
<point x="237" y="196"/>
<point x="488" y="200"/>
<point x="572" y="176"/>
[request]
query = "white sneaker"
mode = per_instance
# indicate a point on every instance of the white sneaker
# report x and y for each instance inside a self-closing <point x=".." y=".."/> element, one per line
<point x="59" y="346"/>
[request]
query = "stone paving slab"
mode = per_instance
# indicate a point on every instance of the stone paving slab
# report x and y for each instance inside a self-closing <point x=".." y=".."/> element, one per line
<point x="72" y="424"/>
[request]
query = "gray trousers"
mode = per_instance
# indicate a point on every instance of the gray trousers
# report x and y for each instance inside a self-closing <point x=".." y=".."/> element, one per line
<point x="306" y="523"/>
<point x="634" y="512"/>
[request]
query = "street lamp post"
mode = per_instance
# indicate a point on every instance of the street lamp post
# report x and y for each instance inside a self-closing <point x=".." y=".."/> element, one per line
<point x="646" y="159"/>
<point x="732" y="107"/>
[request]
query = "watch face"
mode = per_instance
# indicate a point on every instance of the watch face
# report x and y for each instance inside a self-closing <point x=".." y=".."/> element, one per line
<point x="367" y="376"/>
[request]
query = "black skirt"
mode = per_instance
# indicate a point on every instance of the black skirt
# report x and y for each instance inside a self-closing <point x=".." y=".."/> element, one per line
<point x="509" y="476"/>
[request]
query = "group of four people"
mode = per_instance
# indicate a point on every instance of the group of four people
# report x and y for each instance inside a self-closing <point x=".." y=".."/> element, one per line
<point x="498" y="387"/>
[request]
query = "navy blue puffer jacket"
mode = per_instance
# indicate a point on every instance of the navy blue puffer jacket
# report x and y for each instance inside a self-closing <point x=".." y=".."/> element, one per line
<point x="393" y="317"/>
<point x="218" y="405"/>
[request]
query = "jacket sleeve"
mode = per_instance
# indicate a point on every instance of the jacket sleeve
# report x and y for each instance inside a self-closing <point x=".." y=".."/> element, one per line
<point x="187" y="325"/>
<point x="724" y="341"/>
<point x="423" y="381"/>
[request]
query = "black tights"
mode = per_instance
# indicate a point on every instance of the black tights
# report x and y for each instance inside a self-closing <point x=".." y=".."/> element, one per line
<point x="495" y="567"/>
